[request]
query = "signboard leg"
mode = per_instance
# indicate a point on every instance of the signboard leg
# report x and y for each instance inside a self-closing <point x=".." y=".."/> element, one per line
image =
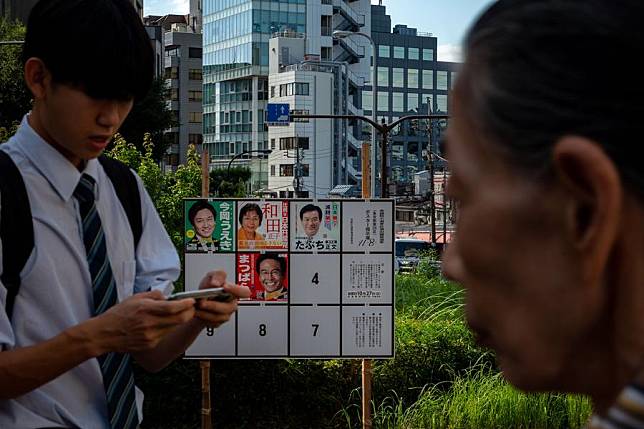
<point x="366" y="393"/>
<point x="206" y="420"/>
<point x="366" y="363"/>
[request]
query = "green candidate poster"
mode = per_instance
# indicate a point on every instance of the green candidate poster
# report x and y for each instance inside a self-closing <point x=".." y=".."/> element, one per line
<point x="209" y="226"/>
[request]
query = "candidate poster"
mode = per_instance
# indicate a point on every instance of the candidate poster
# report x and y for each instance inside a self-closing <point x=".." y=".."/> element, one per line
<point x="209" y="226"/>
<point x="315" y="226"/>
<point x="265" y="274"/>
<point x="262" y="225"/>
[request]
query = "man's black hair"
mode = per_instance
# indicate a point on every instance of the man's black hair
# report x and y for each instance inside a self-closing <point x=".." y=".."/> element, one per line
<point x="200" y="205"/>
<point x="310" y="208"/>
<point x="97" y="46"/>
<point x="275" y="257"/>
<point x="248" y="208"/>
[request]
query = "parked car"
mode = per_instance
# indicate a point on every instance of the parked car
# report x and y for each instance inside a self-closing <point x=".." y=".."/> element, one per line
<point x="408" y="252"/>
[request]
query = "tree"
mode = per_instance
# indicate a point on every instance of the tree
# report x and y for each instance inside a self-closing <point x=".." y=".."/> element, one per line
<point x="150" y="115"/>
<point x="15" y="98"/>
<point x="229" y="182"/>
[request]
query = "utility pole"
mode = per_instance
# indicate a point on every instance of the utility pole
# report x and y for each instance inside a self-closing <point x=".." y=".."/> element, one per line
<point x="432" y="200"/>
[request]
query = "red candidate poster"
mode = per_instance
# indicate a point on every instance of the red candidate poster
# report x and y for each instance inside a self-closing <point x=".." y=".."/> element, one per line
<point x="265" y="274"/>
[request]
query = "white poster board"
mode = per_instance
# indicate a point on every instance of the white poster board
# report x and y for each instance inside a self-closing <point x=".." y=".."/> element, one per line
<point x="320" y="273"/>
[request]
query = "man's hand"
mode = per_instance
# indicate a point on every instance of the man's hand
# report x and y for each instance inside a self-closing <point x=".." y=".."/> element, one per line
<point x="213" y="313"/>
<point x="141" y="321"/>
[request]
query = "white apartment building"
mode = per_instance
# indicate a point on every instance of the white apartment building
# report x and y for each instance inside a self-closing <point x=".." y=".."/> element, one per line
<point x="319" y="75"/>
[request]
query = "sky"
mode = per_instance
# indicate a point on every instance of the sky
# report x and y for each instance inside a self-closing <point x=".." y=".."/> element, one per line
<point x="448" y="20"/>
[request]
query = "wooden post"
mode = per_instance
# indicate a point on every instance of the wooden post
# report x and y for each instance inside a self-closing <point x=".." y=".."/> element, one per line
<point x="366" y="170"/>
<point x="206" y="418"/>
<point x="366" y="363"/>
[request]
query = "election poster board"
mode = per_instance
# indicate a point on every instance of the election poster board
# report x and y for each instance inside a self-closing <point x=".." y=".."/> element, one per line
<point x="320" y="274"/>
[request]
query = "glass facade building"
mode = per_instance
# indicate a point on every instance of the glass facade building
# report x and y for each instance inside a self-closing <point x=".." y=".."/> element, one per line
<point x="410" y="79"/>
<point x="235" y="70"/>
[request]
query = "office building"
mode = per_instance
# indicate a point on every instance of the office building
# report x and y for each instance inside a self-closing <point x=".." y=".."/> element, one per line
<point x="410" y="79"/>
<point x="182" y="68"/>
<point x="239" y="38"/>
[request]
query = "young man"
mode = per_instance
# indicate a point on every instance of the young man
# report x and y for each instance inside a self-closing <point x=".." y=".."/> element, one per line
<point x="88" y="301"/>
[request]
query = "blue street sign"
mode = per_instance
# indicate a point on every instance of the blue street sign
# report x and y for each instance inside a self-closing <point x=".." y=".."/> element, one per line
<point x="277" y="114"/>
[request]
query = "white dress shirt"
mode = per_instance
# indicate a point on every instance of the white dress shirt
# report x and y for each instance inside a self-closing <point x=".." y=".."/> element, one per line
<point x="56" y="291"/>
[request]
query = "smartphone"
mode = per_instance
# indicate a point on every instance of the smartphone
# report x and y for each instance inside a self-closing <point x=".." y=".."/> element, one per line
<point x="216" y="294"/>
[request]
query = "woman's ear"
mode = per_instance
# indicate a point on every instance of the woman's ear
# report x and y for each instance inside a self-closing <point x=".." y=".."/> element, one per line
<point x="37" y="77"/>
<point x="593" y="193"/>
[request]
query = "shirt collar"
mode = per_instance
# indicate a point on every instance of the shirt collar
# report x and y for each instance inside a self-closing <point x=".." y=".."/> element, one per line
<point x="51" y="164"/>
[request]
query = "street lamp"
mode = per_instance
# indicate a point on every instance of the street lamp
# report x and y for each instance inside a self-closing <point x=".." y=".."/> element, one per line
<point x="340" y="34"/>
<point x="237" y="155"/>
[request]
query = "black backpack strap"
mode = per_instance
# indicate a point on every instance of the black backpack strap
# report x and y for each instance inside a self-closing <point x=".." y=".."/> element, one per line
<point x="16" y="227"/>
<point x="127" y="191"/>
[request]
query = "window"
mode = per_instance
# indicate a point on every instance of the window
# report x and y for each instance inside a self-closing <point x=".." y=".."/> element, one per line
<point x="399" y="52"/>
<point x="303" y="142"/>
<point x="397" y="78"/>
<point x="283" y="90"/>
<point x="383" y="51"/>
<point x="412" y="78"/>
<point x="397" y="100"/>
<point x="383" y="76"/>
<point x="441" y="103"/>
<point x="441" y="80"/>
<point x="428" y="54"/>
<point x="304" y="169"/>
<point x="286" y="170"/>
<point x="428" y="79"/>
<point x="287" y="143"/>
<point x="383" y="101"/>
<point x="172" y="52"/>
<point x="272" y="170"/>
<point x="452" y="79"/>
<point x="195" y="95"/>
<point x="326" y="53"/>
<point x="195" y="52"/>
<point x="195" y="117"/>
<point x="367" y="100"/>
<point x="174" y="94"/>
<point x="175" y="115"/>
<point x="301" y="89"/>
<point x="412" y="101"/>
<point x="195" y="139"/>
<point x="413" y="53"/>
<point x="272" y="144"/>
<point x="273" y="91"/>
<point x="194" y="74"/>
<point x="172" y="73"/>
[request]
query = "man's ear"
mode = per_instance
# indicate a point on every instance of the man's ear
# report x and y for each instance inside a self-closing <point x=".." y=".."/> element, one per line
<point x="593" y="193"/>
<point x="37" y="77"/>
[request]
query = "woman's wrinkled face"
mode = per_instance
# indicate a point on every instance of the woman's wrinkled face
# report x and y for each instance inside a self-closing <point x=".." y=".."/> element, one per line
<point x="524" y="298"/>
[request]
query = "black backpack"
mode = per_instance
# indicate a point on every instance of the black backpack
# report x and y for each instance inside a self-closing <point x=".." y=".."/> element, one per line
<point x="16" y="226"/>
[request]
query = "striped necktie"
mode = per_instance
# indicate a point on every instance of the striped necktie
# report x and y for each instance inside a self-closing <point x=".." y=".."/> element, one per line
<point x="118" y="378"/>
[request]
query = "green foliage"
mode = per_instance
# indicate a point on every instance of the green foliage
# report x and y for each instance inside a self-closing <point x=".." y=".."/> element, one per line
<point x="15" y="98"/>
<point x="6" y="133"/>
<point x="150" y="115"/>
<point x="439" y="378"/>
<point x="229" y="182"/>
<point x="168" y="190"/>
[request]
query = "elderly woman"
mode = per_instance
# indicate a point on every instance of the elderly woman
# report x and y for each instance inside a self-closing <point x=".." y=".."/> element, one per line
<point x="547" y="165"/>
